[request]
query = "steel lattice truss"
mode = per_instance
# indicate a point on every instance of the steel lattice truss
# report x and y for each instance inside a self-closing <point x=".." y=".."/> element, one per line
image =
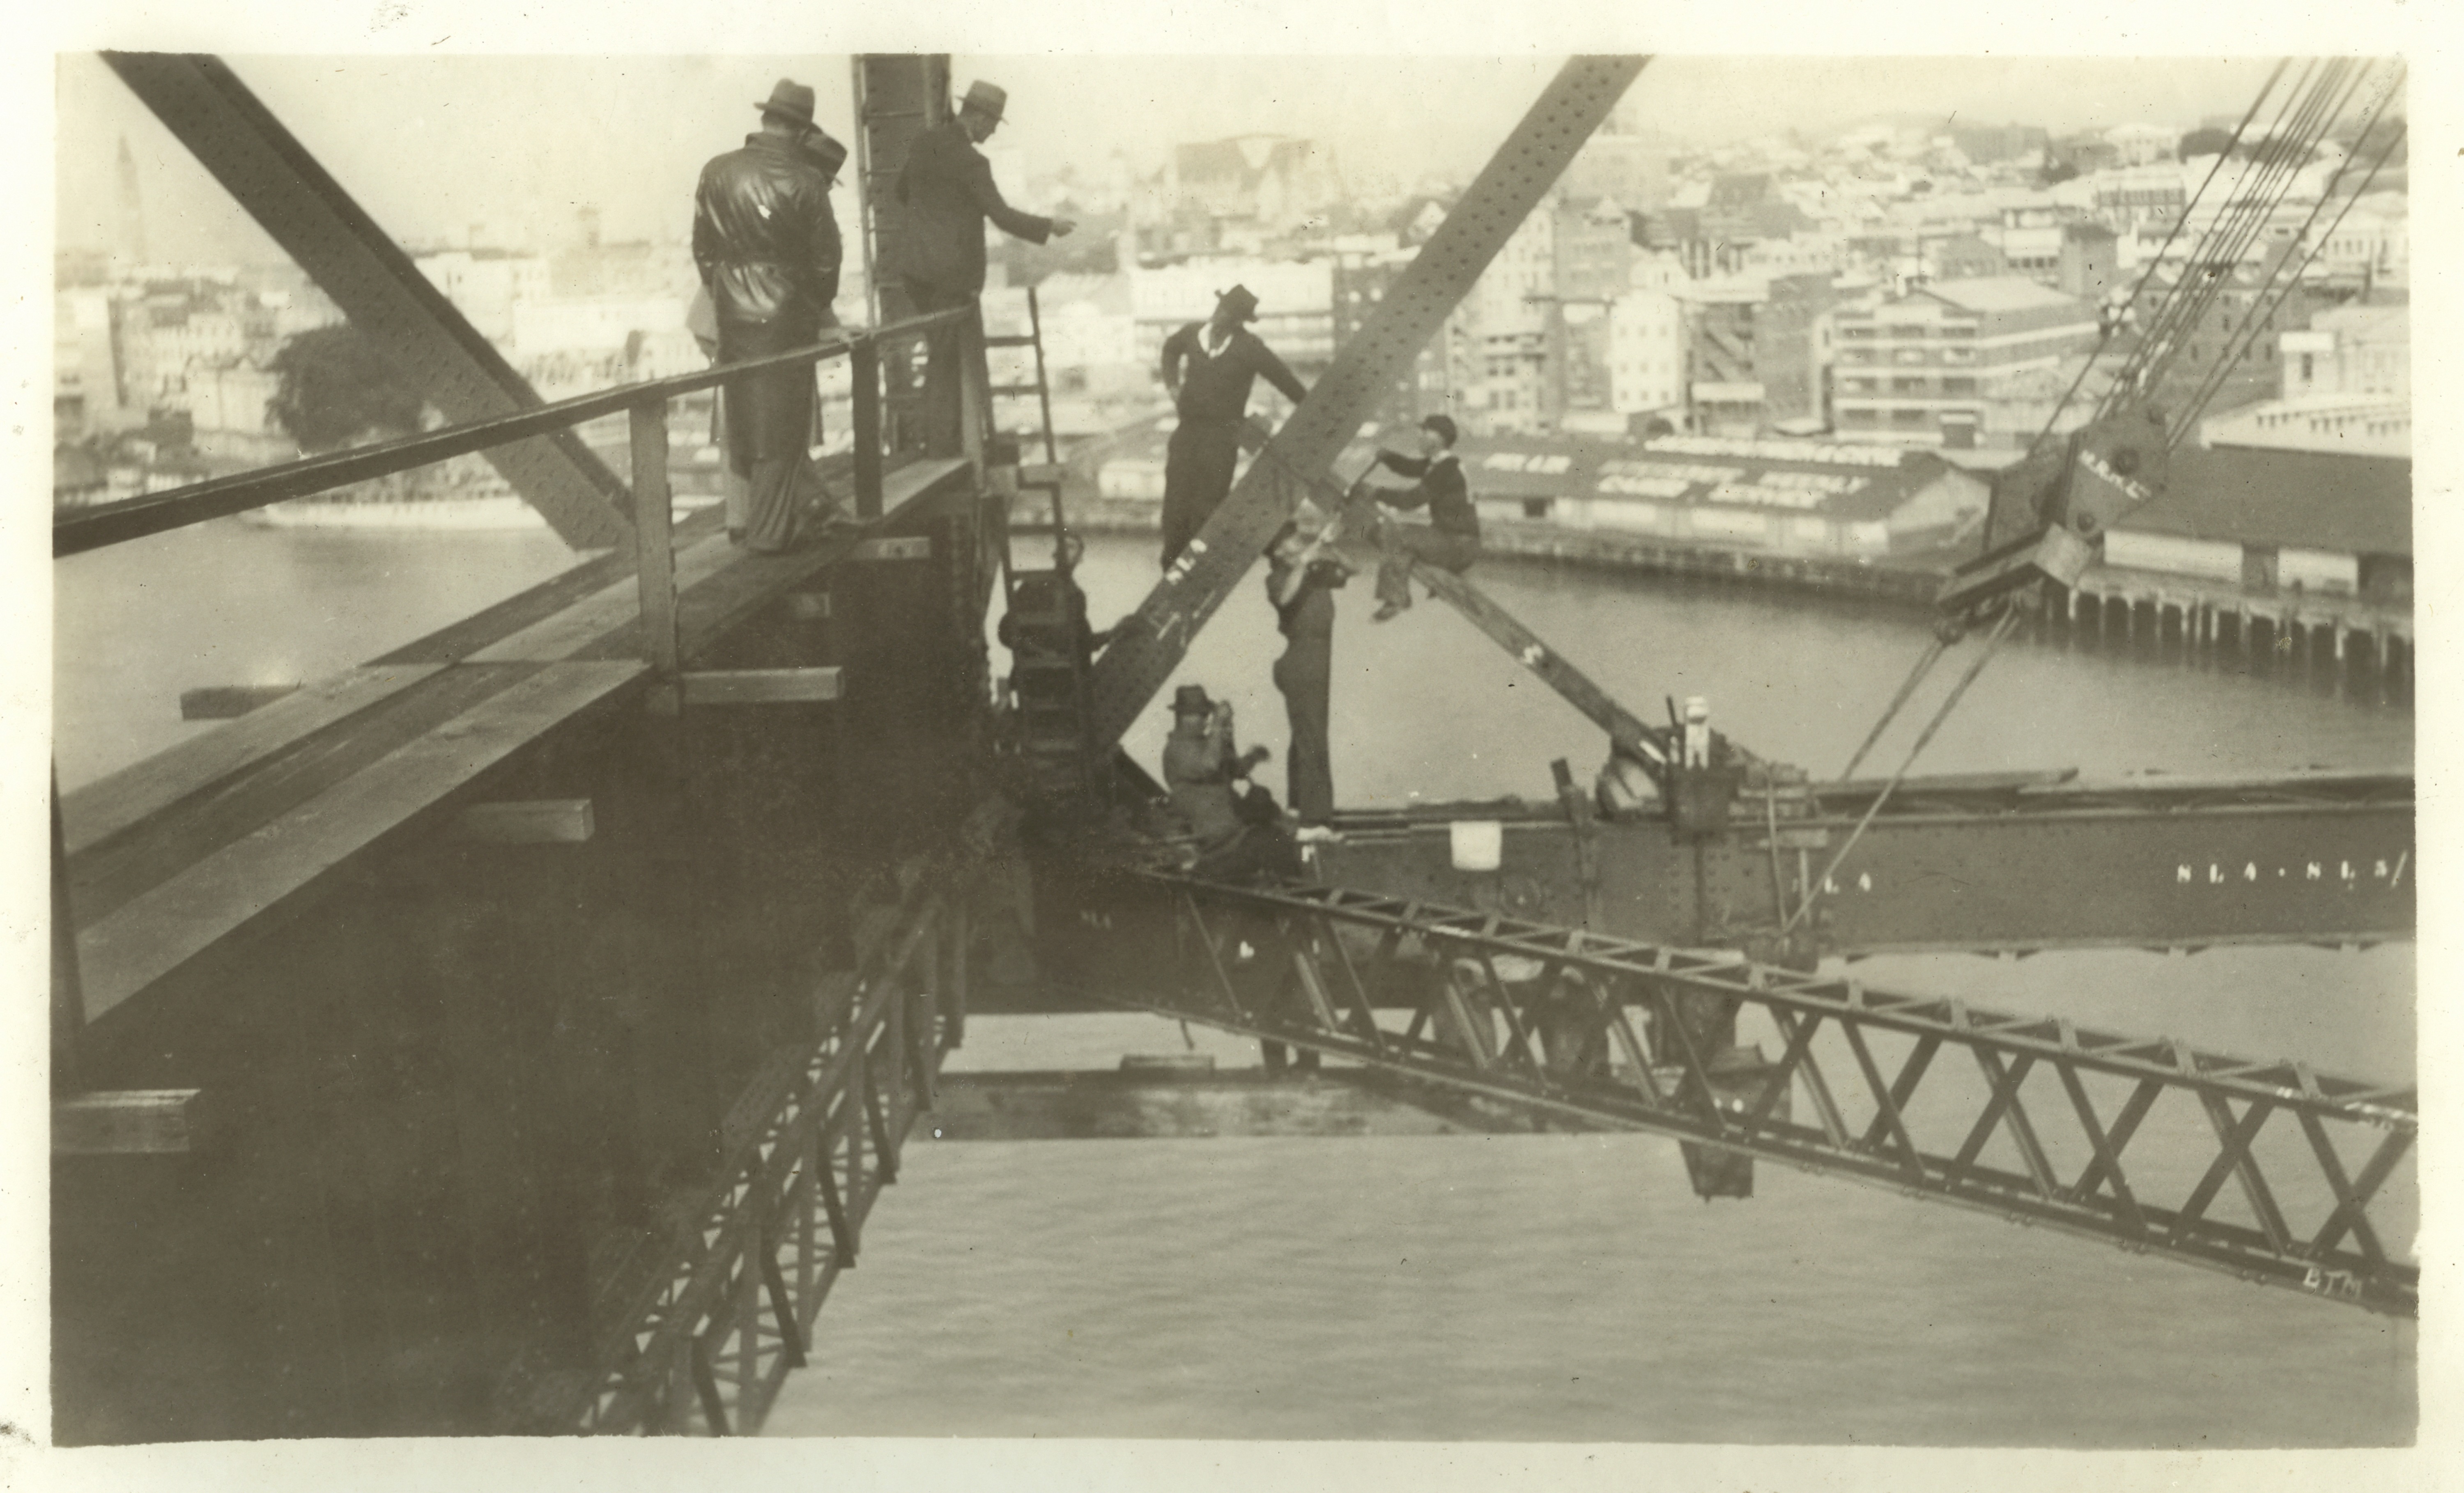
<point x="701" y="1345"/>
<point x="1590" y="1027"/>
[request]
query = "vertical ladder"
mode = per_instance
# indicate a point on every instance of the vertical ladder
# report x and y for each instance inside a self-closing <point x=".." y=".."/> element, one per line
<point x="1049" y="687"/>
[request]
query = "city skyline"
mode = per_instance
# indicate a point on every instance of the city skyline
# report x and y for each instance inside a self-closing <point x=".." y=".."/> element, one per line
<point x="415" y="175"/>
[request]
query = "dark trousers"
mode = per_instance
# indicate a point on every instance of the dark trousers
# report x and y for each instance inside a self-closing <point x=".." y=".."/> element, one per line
<point x="1306" y="675"/>
<point x="945" y="354"/>
<point x="1197" y="475"/>
<point x="1404" y="547"/>
<point x="770" y="430"/>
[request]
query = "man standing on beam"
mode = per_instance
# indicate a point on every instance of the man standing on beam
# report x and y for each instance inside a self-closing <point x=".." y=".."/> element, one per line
<point x="766" y="243"/>
<point x="947" y="187"/>
<point x="1209" y="367"/>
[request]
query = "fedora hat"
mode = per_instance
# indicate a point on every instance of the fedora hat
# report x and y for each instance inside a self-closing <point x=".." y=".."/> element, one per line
<point x="789" y="99"/>
<point x="985" y="99"/>
<point x="1243" y="304"/>
<point x="1190" y="699"/>
<point x="825" y="150"/>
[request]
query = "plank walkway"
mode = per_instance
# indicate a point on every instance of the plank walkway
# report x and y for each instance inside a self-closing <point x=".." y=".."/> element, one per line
<point x="172" y="855"/>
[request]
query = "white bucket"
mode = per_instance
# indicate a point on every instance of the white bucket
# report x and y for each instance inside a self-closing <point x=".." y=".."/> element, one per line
<point x="1479" y="844"/>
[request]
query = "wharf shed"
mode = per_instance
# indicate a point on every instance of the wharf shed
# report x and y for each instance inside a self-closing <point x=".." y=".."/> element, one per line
<point x="1781" y="497"/>
<point x="2271" y="520"/>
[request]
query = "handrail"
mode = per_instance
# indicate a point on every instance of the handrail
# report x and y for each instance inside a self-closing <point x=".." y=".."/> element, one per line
<point x="106" y="524"/>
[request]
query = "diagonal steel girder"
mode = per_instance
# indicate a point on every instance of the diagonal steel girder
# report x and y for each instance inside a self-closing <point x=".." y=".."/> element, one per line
<point x="435" y="349"/>
<point x="1149" y="644"/>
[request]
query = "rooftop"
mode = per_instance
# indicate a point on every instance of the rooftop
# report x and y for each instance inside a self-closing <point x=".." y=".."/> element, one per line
<point x="1999" y="292"/>
<point x="2352" y="505"/>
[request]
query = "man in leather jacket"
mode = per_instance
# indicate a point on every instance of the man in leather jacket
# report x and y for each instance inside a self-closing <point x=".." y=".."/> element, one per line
<point x="767" y="247"/>
<point x="947" y="190"/>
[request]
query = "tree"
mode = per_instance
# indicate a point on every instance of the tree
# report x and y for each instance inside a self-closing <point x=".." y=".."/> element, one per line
<point x="335" y="388"/>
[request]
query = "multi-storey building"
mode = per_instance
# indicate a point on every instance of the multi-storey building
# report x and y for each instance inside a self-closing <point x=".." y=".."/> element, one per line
<point x="1955" y="363"/>
<point x="1273" y="181"/>
<point x="2350" y="350"/>
<point x="86" y="396"/>
<point x="2233" y="343"/>
<point x="1647" y="355"/>
<point x="1723" y="391"/>
<point x="485" y="284"/>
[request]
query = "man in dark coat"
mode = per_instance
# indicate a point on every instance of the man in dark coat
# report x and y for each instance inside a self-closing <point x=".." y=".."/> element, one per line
<point x="767" y="245"/>
<point x="948" y="191"/>
<point x="1451" y="541"/>
<point x="1210" y="367"/>
<point x="1301" y="575"/>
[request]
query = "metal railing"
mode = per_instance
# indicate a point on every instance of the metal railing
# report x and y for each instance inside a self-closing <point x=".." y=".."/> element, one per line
<point x="105" y="524"/>
<point x="698" y="1342"/>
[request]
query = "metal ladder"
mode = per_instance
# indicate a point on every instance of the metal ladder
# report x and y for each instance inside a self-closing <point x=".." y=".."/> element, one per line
<point x="1049" y="689"/>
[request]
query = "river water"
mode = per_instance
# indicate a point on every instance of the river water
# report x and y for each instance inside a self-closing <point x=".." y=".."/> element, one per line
<point x="1542" y="1287"/>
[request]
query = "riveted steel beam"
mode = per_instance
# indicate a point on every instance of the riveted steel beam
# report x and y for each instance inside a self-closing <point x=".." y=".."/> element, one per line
<point x="1150" y="643"/>
<point x="434" y="348"/>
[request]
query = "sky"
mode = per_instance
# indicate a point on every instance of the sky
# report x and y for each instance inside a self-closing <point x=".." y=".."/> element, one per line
<point x="433" y="144"/>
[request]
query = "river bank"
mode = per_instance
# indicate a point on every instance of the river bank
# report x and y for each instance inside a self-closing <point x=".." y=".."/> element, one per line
<point x="2312" y="641"/>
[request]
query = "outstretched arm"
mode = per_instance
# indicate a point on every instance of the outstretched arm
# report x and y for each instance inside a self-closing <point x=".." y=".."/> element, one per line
<point x="1009" y="220"/>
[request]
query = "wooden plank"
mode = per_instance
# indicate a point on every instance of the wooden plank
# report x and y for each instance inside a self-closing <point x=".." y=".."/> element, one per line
<point x="603" y="611"/>
<point x="103" y="809"/>
<point x="809" y="605"/>
<point x="717" y="585"/>
<point x="761" y="685"/>
<point x="654" y="530"/>
<point x="110" y="876"/>
<point x="230" y="701"/>
<point x="526" y="821"/>
<point x="864" y="372"/>
<point x="458" y="640"/>
<point x="712" y="609"/>
<point x="129" y="1122"/>
<point x="179" y="919"/>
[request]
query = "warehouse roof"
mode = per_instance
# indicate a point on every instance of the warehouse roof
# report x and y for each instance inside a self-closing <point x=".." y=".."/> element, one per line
<point x="1848" y="483"/>
<point x="2321" y="500"/>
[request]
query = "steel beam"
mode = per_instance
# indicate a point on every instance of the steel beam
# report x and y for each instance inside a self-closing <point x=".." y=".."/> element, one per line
<point x="271" y="174"/>
<point x="1149" y="644"/>
<point x="1954" y="864"/>
<point x="1536" y="1011"/>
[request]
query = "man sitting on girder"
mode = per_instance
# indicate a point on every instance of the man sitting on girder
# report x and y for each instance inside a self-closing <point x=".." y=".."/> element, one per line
<point x="947" y="190"/>
<point x="1240" y="835"/>
<point x="1451" y="541"/>
<point x="1210" y="367"/>
<point x="766" y="243"/>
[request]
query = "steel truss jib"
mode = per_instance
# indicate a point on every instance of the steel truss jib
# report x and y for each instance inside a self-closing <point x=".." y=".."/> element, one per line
<point x="702" y="1345"/>
<point x="1597" y="1029"/>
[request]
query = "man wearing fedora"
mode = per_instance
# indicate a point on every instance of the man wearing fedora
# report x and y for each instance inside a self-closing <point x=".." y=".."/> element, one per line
<point x="947" y="190"/>
<point x="767" y="245"/>
<point x="1210" y="366"/>
<point x="1237" y="834"/>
